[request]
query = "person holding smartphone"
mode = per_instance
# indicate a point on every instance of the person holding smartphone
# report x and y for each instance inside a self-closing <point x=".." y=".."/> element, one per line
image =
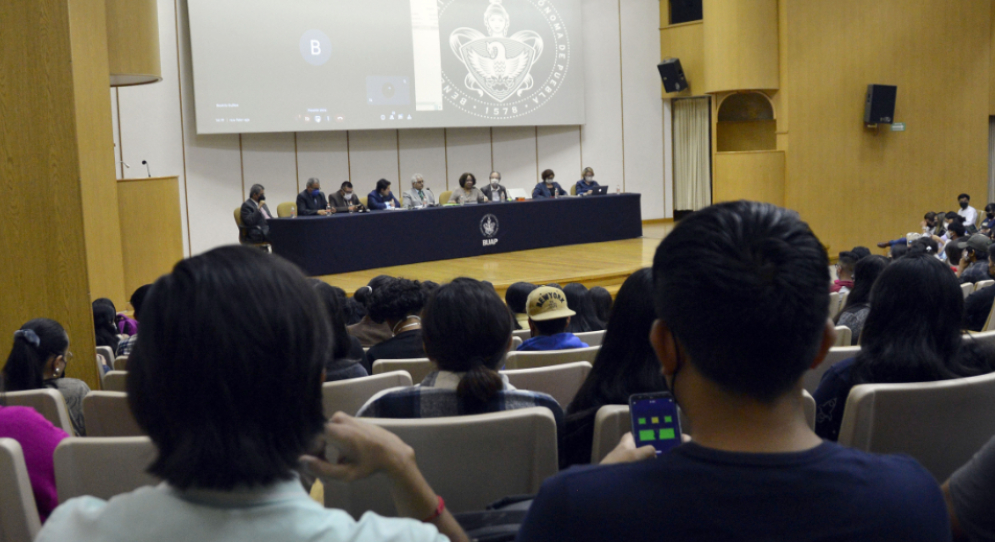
<point x="741" y="316"/>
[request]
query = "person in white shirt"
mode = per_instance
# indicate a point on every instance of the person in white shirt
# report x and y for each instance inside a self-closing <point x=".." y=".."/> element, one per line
<point x="969" y="213"/>
<point x="227" y="377"/>
<point x="418" y="196"/>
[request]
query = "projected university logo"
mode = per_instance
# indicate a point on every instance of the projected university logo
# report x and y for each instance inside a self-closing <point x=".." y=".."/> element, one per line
<point x="498" y="73"/>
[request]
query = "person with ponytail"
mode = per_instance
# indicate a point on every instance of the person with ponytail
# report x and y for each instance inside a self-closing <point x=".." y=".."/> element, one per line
<point x="366" y="330"/>
<point x="467" y="332"/>
<point x="38" y="360"/>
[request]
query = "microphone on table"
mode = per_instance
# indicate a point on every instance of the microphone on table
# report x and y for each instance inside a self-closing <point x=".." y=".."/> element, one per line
<point x="146" y="164"/>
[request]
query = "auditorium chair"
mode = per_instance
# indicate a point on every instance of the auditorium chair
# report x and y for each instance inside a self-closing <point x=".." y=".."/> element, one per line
<point x="531" y="360"/>
<point x="836" y="354"/>
<point x="418" y="368"/>
<point x="592" y="338"/>
<point x="120" y="363"/>
<point x="986" y="338"/>
<point x="107" y="414"/>
<point x="562" y="382"/>
<point x="286" y="210"/>
<point x="364" y="200"/>
<point x="47" y="402"/>
<point x="982" y="284"/>
<point x="242" y="239"/>
<point x="844" y="336"/>
<point x="102" y="467"/>
<point x="106" y="354"/>
<point x="834" y="304"/>
<point x="349" y="395"/>
<point x="471" y="460"/>
<point x="523" y="334"/>
<point x="444" y="197"/>
<point x="940" y="424"/>
<point x="115" y="381"/>
<point x="573" y="190"/>
<point x="967" y="289"/>
<point x="19" y="519"/>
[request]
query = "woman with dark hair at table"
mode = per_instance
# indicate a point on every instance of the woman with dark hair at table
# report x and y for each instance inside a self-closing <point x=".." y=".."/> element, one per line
<point x="548" y="188"/>
<point x="468" y="191"/>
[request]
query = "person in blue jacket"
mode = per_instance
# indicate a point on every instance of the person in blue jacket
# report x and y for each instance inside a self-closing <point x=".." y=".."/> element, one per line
<point x="547" y="188"/>
<point x="381" y="199"/>
<point x="586" y="184"/>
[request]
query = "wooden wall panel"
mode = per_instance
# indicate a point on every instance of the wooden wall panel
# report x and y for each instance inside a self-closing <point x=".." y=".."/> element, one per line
<point x="746" y="136"/>
<point x="757" y="176"/>
<point x="991" y="64"/>
<point x="324" y="155"/>
<point x="686" y="42"/>
<point x="468" y="150"/>
<point x="857" y="186"/>
<point x="515" y="157"/>
<point x="423" y="151"/>
<point x="269" y="159"/>
<point x="151" y="235"/>
<point x="740" y="45"/>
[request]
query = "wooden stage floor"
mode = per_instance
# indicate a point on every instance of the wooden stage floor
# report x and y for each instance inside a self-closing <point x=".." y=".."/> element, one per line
<point x="595" y="264"/>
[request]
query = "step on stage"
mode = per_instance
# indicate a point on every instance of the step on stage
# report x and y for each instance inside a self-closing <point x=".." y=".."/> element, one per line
<point x="595" y="264"/>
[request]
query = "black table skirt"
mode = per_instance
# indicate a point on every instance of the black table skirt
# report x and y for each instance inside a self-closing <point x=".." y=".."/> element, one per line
<point x="353" y="242"/>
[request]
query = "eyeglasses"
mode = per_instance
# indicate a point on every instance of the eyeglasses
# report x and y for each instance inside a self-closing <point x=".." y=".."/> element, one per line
<point x="67" y="357"/>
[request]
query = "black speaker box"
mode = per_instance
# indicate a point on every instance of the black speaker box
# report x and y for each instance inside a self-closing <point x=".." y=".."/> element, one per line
<point x="672" y="75"/>
<point x="880" y="105"/>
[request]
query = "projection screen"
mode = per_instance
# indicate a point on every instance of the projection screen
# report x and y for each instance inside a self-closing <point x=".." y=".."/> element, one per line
<point x="300" y="65"/>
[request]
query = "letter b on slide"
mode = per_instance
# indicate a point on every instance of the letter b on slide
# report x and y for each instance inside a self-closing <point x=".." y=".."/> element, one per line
<point x="316" y="47"/>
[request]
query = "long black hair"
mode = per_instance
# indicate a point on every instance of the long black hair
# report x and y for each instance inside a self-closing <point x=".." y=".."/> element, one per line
<point x="865" y="273"/>
<point x="913" y="332"/>
<point x="35" y="343"/>
<point x="104" y="327"/>
<point x="332" y="301"/>
<point x="579" y="301"/>
<point x="602" y="301"/>
<point x="626" y="363"/>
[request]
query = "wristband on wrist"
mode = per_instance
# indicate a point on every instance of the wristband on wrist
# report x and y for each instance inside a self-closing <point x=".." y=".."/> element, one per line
<point x="438" y="511"/>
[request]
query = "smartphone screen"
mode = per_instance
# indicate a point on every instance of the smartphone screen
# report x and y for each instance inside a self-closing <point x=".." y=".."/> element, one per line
<point x="655" y="421"/>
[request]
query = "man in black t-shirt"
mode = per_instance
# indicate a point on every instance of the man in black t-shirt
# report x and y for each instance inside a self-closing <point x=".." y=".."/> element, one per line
<point x="741" y="299"/>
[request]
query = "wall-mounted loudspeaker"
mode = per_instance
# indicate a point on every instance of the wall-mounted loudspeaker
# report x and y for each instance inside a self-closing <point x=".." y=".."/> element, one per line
<point x="672" y="75"/>
<point x="880" y="105"/>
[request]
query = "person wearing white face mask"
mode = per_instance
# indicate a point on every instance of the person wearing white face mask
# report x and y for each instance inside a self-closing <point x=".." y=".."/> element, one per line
<point x="585" y="185"/>
<point x="494" y="191"/>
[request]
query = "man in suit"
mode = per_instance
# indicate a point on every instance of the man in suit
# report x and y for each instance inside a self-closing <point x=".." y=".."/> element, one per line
<point x="495" y="186"/>
<point x="344" y="201"/>
<point x="311" y="201"/>
<point x="418" y="196"/>
<point x="255" y="213"/>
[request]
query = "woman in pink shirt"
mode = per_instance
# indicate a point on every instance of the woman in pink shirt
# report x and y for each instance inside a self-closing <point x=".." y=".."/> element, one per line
<point x="38" y="439"/>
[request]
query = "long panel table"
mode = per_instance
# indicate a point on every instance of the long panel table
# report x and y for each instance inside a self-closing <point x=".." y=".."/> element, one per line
<point x="342" y="243"/>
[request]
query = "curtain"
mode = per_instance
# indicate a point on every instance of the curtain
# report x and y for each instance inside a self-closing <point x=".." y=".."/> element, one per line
<point x="692" y="154"/>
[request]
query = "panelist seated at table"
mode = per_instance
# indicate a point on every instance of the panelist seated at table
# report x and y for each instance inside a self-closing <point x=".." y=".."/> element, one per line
<point x="382" y="199"/>
<point x="345" y="201"/>
<point x="467" y="193"/>
<point x="312" y="201"/>
<point x="548" y="188"/>
<point x="255" y="213"/>
<point x="587" y="184"/>
<point x="494" y="190"/>
<point x="418" y="196"/>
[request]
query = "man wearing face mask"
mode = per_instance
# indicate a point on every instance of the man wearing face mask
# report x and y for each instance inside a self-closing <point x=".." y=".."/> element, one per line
<point x="988" y="223"/>
<point x="585" y="185"/>
<point x="418" y="196"/>
<point x="254" y="214"/>
<point x="312" y="201"/>
<point x="494" y="191"/>
<point x="970" y="214"/>
<point x="345" y="201"/>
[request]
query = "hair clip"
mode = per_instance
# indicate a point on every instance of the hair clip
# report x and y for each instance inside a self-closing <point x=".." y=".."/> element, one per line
<point x="28" y="336"/>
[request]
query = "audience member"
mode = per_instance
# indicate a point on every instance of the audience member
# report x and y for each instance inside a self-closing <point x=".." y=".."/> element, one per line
<point x="467" y="332"/>
<point x="418" y="196"/>
<point x="345" y="200"/>
<point x="858" y="305"/>
<point x="517" y="296"/>
<point x="897" y="251"/>
<point x="755" y="276"/>
<point x="38" y="360"/>
<point x="254" y="215"/>
<point x="231" y="398"/>
<point x="549" y="316"/>
<point x="347" y="359"/>
<point x="931" y="226"/>
<point x="38" y="439"/>
<point x="137" y="298"/>
<point x="104" y="326"/>
<point x="974" y="264"/>
<point x="844" y="273"/>
<point x="953" y="255"/>
<point x="398" y="304"/>
<point x="311" y="201"/>
<point x="926" y="245"/>
<point x="978" y="305"/>
<point x="602" y="300"/>
<point x="970" y="496"/>
<point x="468" y="191"/>
<point x="625" y="365"/>
<point x="366" y="330"/>
<point x="429" y="287"/>
<point x="381" y="199"/>
<point x="355" y="311"/>
<point x="912" y="334"/>
<point x="548" y="188"/>
<point x="860" y="252"/>
<point x="988" y="222"/>
<point x="968" y="213"/>
<point x="579" y="301"/>
<point x="495" y="191"/>
<point x="587" y="183"/>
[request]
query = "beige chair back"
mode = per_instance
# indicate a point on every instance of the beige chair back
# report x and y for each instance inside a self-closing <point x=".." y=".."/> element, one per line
<point x="471" y="460"/>
<point x="286" y="210"/>
<point x="967" y="289"/>
<point x="515" y="343"/>
<point x="523" y="334"/>
<point x="986" y="338"/>
<point x="836" y="354"/>
<point x="121" y="363"/>
<point x="48" y="402"/>
<point x="834" y="304"/>
<point x="844" y="336"/>
<point x="560" y="381"/>
<point x="808" y="403"/>
<point x="103" y="467"/>
<point x="107" y="355"/>
<point x="940" y="424"/>
<point x="19" y="521"/>
<point x="990" y="323"/>
<point x="107" y="414"/>
<point x="349" y="395"/>
<point x="417" y="368"/>
<point x="116" y="381"/>
<point x="592" y="338"/>
<point x="982" y="284"/>
<point x="364" y="200"/>
<point x="531" y="360"/>
<point x="444" y="197"/>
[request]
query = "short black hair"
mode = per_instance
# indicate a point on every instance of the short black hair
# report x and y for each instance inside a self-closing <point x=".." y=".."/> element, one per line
<point x="951" y="215"/>
<point x="396" y="300"/>
<point x="953" y="253"/>
<point x="547" y="174"/>
<point x="382" y="183"/>
<point x="957" y="228"/>
<point x="517" y="295"/>
<point x="549" y="328"/>
<point x="964" y="196"/>
<point x="256" y="188"/>
<point x="860" y="252"/>
<point x="467" y="177"/>
<point x="137" y="298"/>
<point x="225" y="376"/>
<point x="742" y="287"/>
<point x="846" y="261"/>
<point x="897" y="251"/>
<point x="346" y="184"/>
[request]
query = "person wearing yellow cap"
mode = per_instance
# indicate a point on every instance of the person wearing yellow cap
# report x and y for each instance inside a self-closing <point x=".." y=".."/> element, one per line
<point x="549" y="316"/>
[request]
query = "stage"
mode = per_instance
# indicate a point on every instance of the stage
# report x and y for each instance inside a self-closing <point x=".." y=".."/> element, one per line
<point x="593" y="264"/>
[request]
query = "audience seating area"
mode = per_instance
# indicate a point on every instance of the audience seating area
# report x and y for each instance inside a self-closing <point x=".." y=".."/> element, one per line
<point x="102" y="467"/>
<point x="48" y="402"/>
<point x="349" y="395"/>
<point x="108" y="415"/>
<point x="18" y="513"/>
